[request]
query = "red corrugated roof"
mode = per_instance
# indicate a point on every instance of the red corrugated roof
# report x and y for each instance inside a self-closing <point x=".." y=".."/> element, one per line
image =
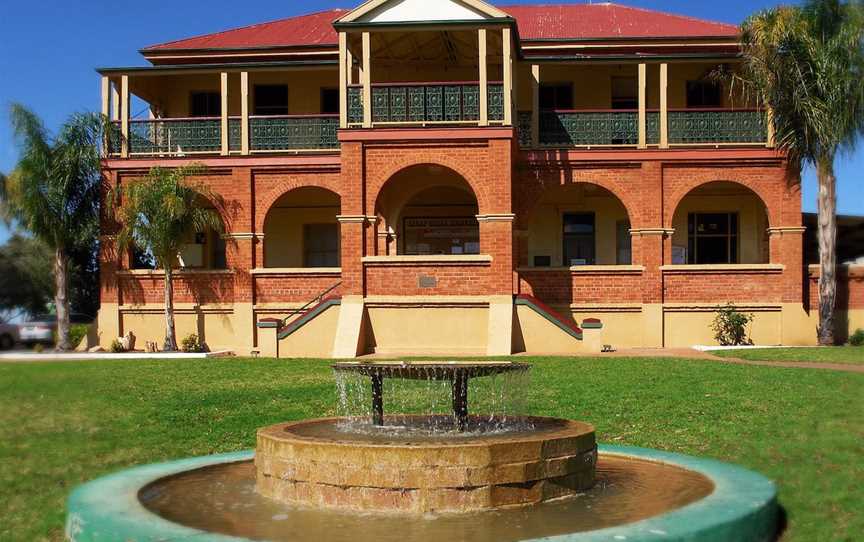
<point x="559" y="21"/>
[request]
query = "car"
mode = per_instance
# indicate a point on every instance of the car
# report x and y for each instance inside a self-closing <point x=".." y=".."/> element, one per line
<point x="8" y="336"/>
<point x="40" y="329"/>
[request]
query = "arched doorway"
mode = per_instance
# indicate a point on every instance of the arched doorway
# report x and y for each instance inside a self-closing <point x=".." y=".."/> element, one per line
<point x="720" y="222"/>
<point x="301" y="230"/>
<point x="429" y="210"/>
<point x="578" y="224"/>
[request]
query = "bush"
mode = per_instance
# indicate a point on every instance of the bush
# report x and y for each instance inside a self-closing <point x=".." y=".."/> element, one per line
<point x="77" y="332"/>
<point x="191" y="344"/>
<point x="730" y="327"/>
<point x="857" y="338"/>
<point x="117" y="347"/>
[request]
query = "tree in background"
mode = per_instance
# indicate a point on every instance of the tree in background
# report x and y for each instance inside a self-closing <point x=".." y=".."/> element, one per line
<point x="807" y="64"/>
<point x="155" y="215"/>
<point x="25" y="276"/>
<point x="53" y="192"/>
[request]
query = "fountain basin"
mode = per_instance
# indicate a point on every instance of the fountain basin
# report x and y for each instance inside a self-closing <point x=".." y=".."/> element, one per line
<point x="740" y="506"/>
<point x="314" y="463"/>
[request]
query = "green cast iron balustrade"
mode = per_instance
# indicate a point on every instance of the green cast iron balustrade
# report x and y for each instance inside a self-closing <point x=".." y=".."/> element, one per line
<point x="293" y="133"/>
<point x="713" y="126"/>
<point x="586" y="128"/>
<point x="115" y="138"/>
<point x="420" y="103"/>
<point x="235" y="134"/>
<point x="175" y="136"/>
<point x="652" y="128"/>
<point x="523" y="128"/>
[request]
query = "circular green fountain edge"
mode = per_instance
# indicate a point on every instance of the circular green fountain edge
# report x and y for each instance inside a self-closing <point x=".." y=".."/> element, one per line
<point x="742" y="507"/>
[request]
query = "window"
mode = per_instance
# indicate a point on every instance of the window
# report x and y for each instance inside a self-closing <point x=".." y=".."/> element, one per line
<point x="321" y="245"/>
<point x="578" y="237"/>
<point x="441" y="235"/>
<point x="704" y="94"/>
<point x="556" y="96"/>
<point x="271" y="100"/>
<point x="624" y="253"/>
<point x="625" y="93"/>
<point x="205" y="104"/>
<point x="330" y="101"/>
<point x="712" y="238"/>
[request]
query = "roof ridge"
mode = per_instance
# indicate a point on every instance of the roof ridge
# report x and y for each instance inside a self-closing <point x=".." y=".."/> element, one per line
<point x="166" y="44"/>
<point x="617" y="5"/>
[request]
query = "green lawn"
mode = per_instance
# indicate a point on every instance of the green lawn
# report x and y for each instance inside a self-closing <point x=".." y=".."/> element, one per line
<point x="63" y="424"/>
<point x="836" y="354"/>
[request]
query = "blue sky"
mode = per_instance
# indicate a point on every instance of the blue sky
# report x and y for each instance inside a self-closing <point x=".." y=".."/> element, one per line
<point x="50" y="48"/>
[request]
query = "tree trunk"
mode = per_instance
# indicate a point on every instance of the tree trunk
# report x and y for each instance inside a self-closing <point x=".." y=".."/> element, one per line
<point x="827" y="248"/>
<point x="170" y="335"/>
<point x="61" y="298"/>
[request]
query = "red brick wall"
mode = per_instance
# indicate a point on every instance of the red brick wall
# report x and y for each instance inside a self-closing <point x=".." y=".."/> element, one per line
<point x="563" y="287"/>
<point x="850" y="288"/>
<point x="755" y="286"/>
<point x="199" y="288"/>
<point x="293" y="288"/>
<point x="400" y="279"/>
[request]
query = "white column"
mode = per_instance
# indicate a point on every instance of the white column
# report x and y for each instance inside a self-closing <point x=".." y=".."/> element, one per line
<point x="223" y="83"/>
<point x="664" y="106"/>
<point x="124" y="116"/>
<point x="244" y="113"/>
<point x="535" y="105"/>
<point x="771" y="140"/>
<point x="367" y="80"/>
<point x="484" y="77"/>
<point x="508" y="75"/>
<point x="643" y="110"/>
<point x="106" y="109"/>
<point x="344" y="75"/>
<point x="115" y="102"/>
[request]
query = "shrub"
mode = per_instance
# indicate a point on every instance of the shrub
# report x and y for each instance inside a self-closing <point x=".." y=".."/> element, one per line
<point x="117" y="347"/>
<point x="77" y="332"/>
<point x="730" y="327"/>
<point x="191" y="344"/>
<point x="857" y="338"/>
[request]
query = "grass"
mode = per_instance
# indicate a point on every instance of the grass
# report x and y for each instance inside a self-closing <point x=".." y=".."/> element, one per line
<point x="63" y="424"/>
<point x="837" y="354"/>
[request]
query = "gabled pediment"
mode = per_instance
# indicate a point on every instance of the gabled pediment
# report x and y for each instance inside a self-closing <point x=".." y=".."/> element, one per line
<point x="420" y="11"/>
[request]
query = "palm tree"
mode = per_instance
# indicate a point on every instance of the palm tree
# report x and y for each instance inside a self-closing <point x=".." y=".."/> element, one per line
<point x="156" y="214"/>
<point x="53" y="192"/>
<point x="807" y="64"/>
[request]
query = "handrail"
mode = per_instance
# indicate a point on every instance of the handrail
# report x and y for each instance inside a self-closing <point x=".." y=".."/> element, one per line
<point x="316" y="300"/>
<point x="425" y="84"/>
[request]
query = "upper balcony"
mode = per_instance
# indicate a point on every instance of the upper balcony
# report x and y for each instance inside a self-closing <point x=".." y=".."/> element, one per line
<point x="557" y="95"/>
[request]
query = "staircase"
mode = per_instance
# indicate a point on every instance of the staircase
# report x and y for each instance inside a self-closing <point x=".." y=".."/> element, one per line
<point x="309" y="311"/>
<point x="564" y="324"/>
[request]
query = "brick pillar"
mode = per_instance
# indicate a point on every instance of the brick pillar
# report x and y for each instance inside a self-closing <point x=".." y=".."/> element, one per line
<point x="243" y="249"/>
<point x="108" y="319"/>
<point x="496" y="240"/>
<point x="650" y="240"/>
<point x="353" y="221"/>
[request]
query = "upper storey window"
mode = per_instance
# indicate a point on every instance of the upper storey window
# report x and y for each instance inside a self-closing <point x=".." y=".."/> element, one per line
<point x="271" y="100"/>
<point x="556" y="96"/>
<point x="704" y="94"/>
<point x="205" y="104"/>
<point x="330" y="101"/>
<point x="625" y="93"/>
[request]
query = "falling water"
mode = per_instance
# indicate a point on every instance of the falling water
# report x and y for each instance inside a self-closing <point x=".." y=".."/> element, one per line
<point x="422" y="402"/>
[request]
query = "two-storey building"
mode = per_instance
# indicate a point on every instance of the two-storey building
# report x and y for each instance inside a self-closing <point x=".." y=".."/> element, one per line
<point x="445" y="176"/>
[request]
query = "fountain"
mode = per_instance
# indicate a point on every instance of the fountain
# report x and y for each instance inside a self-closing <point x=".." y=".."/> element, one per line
<point x="429" y="451"/>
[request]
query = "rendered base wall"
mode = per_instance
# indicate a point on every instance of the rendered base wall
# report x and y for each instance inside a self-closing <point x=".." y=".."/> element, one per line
<point x="427" y="328"/>
<point x="313" y="340"/>
<point x="215" y="327"/>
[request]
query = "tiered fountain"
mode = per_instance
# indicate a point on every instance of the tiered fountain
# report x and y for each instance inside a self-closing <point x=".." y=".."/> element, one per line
<point x="429" y="451"/>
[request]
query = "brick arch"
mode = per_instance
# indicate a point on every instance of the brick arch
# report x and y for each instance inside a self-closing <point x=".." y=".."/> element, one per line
<point x="677" y="196"/>
<point x="377" y="182"/>
<point x="532" y="194"/>
<point x="265" y="203"/>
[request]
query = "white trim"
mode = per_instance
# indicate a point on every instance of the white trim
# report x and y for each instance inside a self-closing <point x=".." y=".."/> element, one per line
<point x="436" y="258"/>
<point x="502" y="217"/>
<point x="716" y="268"/>
<point x="297" y="271"/>
<point x="175" y="272"/>
<point x="588" y="269"/>
<point x="380" y="6"/>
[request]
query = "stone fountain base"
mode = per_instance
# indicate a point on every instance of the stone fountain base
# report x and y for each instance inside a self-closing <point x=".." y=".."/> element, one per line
<point x="313" y="463"/>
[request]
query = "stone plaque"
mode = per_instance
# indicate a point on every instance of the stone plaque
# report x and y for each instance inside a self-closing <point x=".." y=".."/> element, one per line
<point x="425" y="281"/>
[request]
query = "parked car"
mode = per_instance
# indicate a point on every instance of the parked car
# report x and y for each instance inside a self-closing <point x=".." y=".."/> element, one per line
<point x="8" y="336"/>
<point x="40" y="329"/>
